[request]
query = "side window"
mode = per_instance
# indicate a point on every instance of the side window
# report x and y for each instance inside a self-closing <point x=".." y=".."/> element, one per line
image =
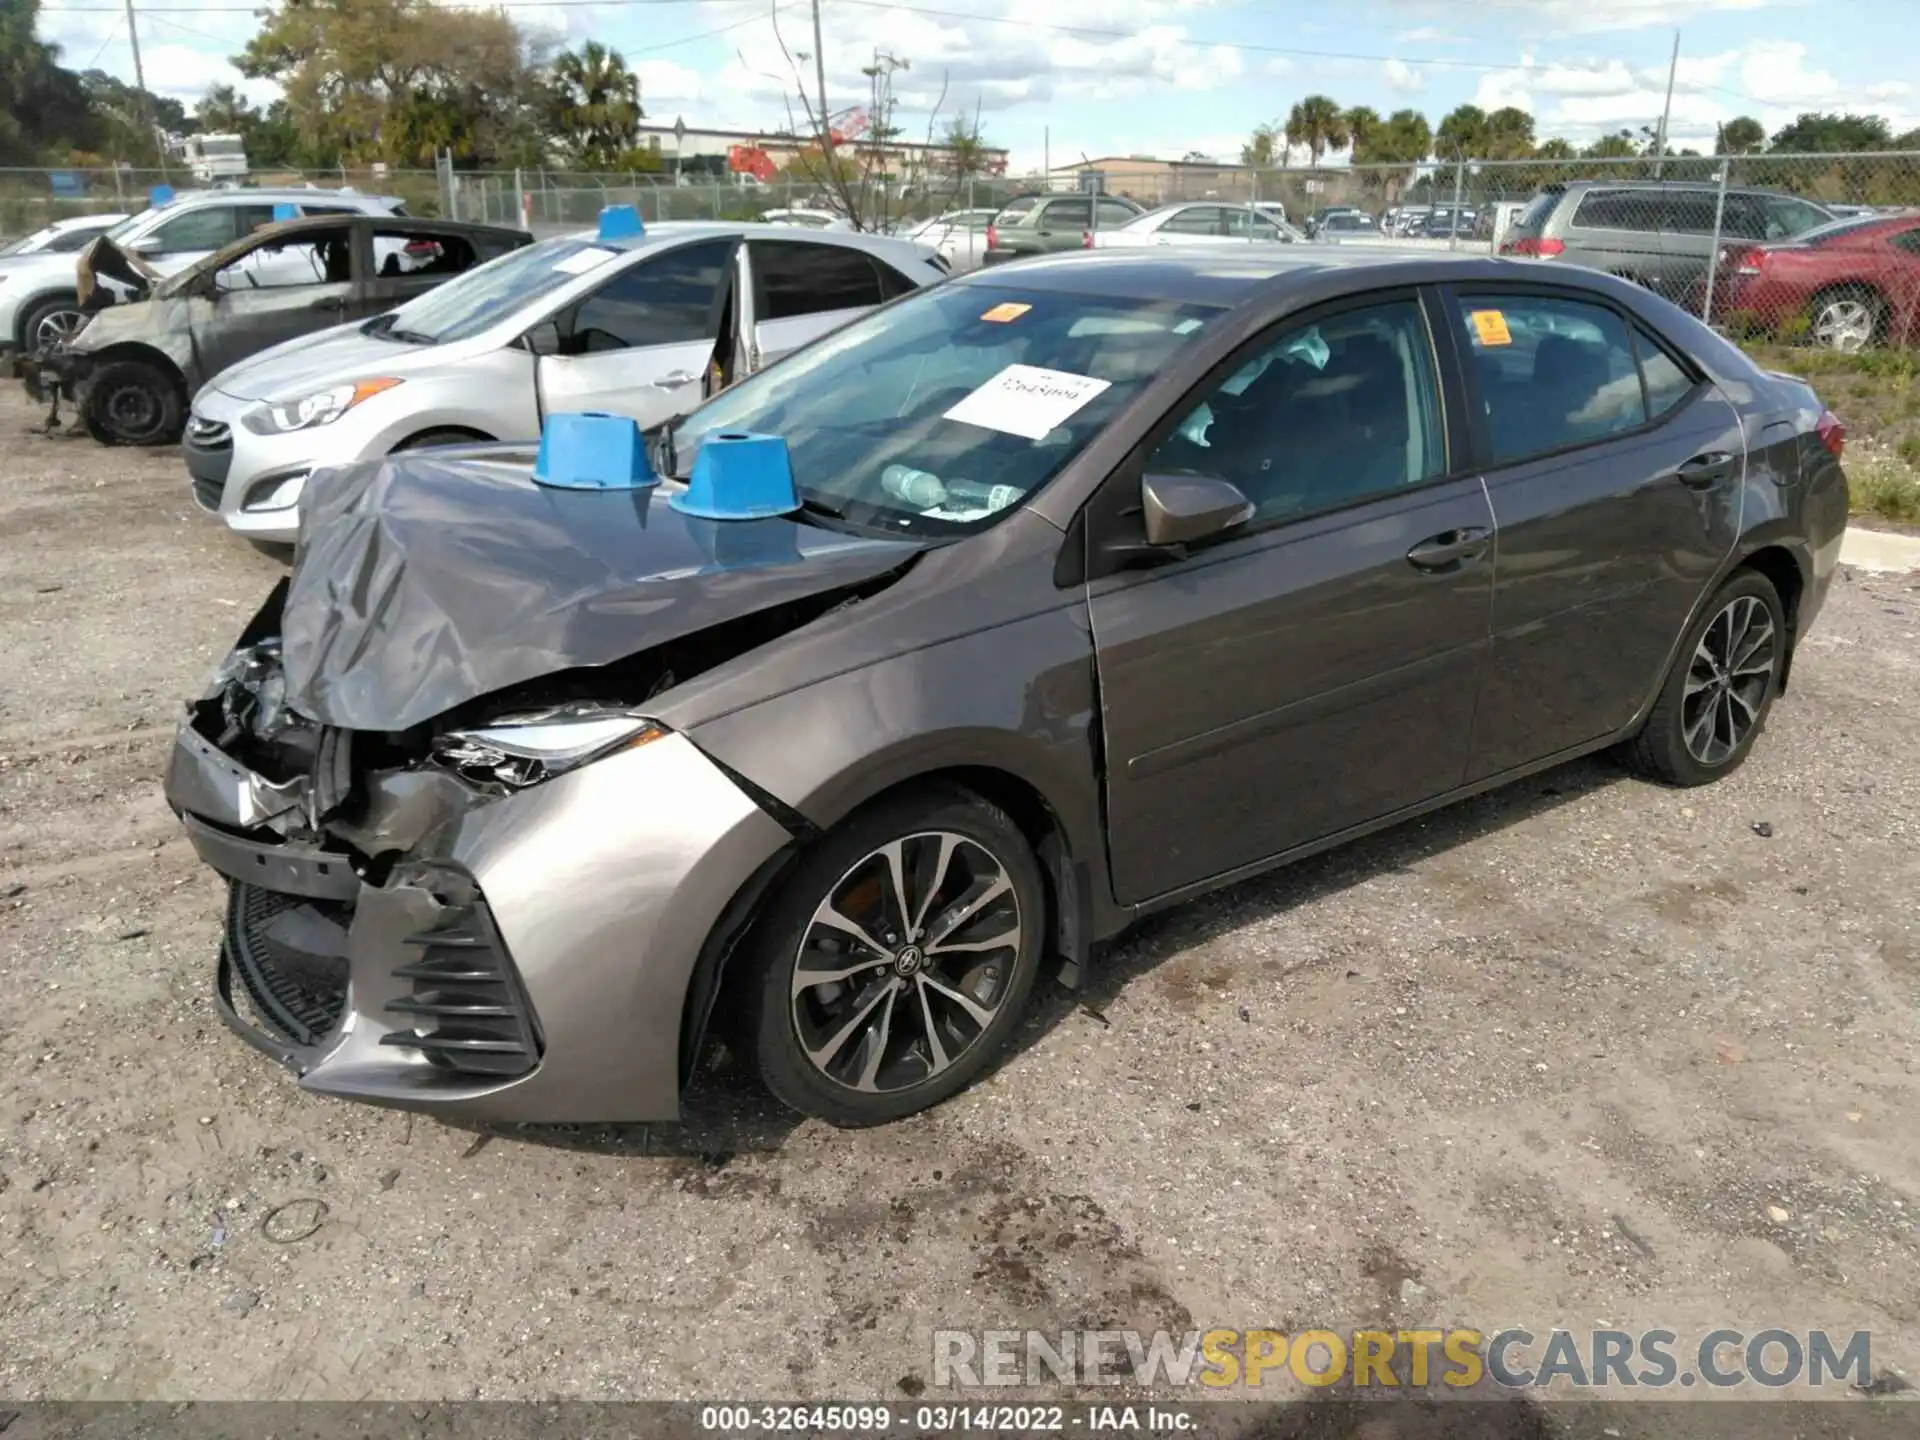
<point x="399" y="250"/>
<point x="1113" y="213"/>
<point x="1553" y="372"/>
<point x="670" y="299"/>
<point x="252" y="217"/>
<point x="792" y="280"/>
<point x="1333" y="412"/>
<point x="1617" y="210"/>
<point x="1242" y="223"/>
<point x="1907" y="240"/>
<point x="1194" y="220"/>
<point x="322" y="259"/>
<point x="1667" y="383"/>
<point x="1688" y="214"/>
<point x="892" y="283"/>
<point x="1076" y="214"/>
<point x="207" y="228"/>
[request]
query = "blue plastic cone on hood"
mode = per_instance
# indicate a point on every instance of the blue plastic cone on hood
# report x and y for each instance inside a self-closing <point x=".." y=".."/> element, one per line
<point x="621" y="222"/>
<point x="739" y="476"/>
<point x="591" y="451"/>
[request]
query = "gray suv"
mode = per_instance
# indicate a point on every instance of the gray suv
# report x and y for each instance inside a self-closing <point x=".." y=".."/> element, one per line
<point x="1658" y="234"/>
<point x="1042" y="224"/>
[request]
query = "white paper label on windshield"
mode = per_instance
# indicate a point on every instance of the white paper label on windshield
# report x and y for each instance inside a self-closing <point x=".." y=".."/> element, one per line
<point x="582" y="261"/>
<point x="1027" y="400"/>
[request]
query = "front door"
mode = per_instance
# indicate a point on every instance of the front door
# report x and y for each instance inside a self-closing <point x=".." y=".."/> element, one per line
<point x="273" y="293"/>
<point x="641" y="343"/>
<point x="1316" y="668"/>
<point x="802" y="290"/>
<point x="1615" y="473"/>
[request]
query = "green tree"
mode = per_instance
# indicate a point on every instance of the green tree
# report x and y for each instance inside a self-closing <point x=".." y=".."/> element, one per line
<point x="1555" y="149"/>
<point x="1363" y="125"/>
<point x="1820" y="133"/>
<point x="44" y="113"/>
<point x="123" y="112"/>
<point x="597" y="104"/>
<point x="1318" y="124"/>
<point x="1463" y="132"/>
<point x="223" y="110"/>
<point x="1263" y="147"/>
<point x="1742" y="135"/>
<point x="1393" y="146"/>
<point x="1509" y="135"/>
<point x="1618" y="146"/>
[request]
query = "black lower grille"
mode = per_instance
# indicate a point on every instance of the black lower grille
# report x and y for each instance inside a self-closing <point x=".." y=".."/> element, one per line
<point x="291" y="956"/>
<point x="467" y="1011"/>
<point x="206" y="494"/>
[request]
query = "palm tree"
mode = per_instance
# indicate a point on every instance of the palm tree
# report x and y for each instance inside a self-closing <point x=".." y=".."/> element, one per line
<point x="1319" y="124"/>
<point x="1363" y="127"/>
<point x="1509" y="134"/>
<point x="1463" y="133"/>
<point x="598" y="102"/>
<point x="1556" y="149"/>
<point x="1742" y="135"/>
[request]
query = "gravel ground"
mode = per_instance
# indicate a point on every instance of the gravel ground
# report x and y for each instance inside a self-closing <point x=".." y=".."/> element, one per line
<point x="1585" y="1052"/>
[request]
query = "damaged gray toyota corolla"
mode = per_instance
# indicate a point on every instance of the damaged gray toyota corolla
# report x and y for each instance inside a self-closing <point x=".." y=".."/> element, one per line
<point x="1112" y="580"/>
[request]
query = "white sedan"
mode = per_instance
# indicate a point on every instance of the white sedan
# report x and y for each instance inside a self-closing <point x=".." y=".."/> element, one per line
<point x="1201" y="223"/>
<point x="958" y="237"/>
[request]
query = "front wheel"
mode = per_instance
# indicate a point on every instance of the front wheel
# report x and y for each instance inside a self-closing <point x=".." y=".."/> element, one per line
<point x="897" y="959"/>
<point x="1722" y="684"/>
<point x="133" y="403"/>
<point x="1847" y="321"/>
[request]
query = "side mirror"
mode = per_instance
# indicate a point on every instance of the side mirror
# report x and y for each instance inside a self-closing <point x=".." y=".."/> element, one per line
<point x="1180" y="509"/>
<point x="544" y="338"/>
<point x="146" y="245"/>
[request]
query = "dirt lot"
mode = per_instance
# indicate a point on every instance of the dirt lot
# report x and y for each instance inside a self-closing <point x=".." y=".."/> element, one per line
<point x="1566" y="1055"/>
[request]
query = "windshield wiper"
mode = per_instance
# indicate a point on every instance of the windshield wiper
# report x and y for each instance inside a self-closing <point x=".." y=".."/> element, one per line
<point x="410" y="337"/>
<point x="820" y="507"/>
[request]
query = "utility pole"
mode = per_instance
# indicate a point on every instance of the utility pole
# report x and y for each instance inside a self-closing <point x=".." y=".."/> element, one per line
<point x="140" y="80"/>
<point x="820" y="77"/>
<point x="1046" y="156"/>
<point x="1666" y="111"/>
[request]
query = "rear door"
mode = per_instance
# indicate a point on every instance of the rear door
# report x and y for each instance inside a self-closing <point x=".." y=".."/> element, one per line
<point x="1062" y="224"/>
<point x="1615" y="473"/>
<point x="1617" y="231"/>
<point x="1318" y="667"/>
<point x="802" y="289"/>
<point x="640" y="343"/>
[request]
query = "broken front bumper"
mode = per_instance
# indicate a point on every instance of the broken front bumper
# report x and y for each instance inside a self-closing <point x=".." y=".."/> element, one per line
<point x="528" y="958"/>
<point x="54" y="370"/>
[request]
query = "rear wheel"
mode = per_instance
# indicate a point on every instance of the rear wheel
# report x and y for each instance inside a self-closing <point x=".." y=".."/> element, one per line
<point x="896" y="960"/>
<point x="131" y="402"/>
<point x="57" y="318"/>
<point x="1847" y="320"/>
<point x="1722" y="684"/>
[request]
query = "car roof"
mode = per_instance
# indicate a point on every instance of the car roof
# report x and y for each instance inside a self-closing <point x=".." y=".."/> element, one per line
<point x="1227" y="278"/>
<point x="1709" y="187"/>
<point x="298" y="194"/>
<point x="411" y="222"/>
<point x="677" y="230"/>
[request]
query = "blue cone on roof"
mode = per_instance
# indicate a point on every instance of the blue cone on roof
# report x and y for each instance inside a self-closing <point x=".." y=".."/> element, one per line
<point x="593" y="451"/>
<point x="621" y="222"/>
<point x="284" y="211"/>
<point x="159" y="195"/>
<point x="738" y="475"/>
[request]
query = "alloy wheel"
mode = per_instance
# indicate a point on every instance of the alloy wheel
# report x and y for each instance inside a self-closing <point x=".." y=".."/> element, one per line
<point x="1846" y="325"/>
<point x="1727" y="680"/>
<point x="56" y="326"/>
<point x="906" y="963"/>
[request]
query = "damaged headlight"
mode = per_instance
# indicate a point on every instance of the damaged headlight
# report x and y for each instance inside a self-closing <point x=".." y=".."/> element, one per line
<point x="522" y="750"/>
<point x="323" y="407"/>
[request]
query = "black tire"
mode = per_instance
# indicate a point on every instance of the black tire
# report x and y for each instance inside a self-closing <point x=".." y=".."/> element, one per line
<point x="1662" y="749"/>
<point x="132" y="402"/>
<point x="839" y="868"/>
<point x="427" y="439"/>
<point x="35" y="315"/>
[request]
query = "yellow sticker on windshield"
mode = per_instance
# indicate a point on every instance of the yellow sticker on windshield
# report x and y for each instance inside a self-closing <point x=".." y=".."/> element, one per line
<point x="1009" y="310"/>
<point x="1491" y="327"/>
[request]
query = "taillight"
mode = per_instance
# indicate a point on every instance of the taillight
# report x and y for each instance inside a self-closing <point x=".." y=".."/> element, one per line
<point x="1086" y="239"/>
<point x="1745" y="262"/>
<point x="1832" y="432"/>
<point x="1535" y="247"/>
<point x="993" y="238"/>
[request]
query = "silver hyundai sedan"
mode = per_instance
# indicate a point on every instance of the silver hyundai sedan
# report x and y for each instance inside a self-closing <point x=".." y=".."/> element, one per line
<point x="628" y="324"/>
<point x="1025" y="606"/>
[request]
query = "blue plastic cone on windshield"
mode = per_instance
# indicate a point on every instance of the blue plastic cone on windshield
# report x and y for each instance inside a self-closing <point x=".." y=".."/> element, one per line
<point x="621" y="222"/>
<point x="591" y="451"/>
<point x="739" y="476"/>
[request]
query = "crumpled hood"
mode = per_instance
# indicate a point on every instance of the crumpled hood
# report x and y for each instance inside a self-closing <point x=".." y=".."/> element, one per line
<point x="160" y="322"/>
<point x="434" y="578"/>
<point x="308" y="363"/>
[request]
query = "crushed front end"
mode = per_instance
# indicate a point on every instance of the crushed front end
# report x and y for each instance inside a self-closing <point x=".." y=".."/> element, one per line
<point x="445" y="920"/>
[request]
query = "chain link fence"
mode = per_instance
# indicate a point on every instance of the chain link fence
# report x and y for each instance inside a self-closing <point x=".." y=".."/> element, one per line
<point x="1817" y="248"/>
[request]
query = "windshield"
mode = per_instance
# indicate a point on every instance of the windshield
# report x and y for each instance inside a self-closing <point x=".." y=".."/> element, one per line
<point x="478" y="300"/>
<point x="126" y="226"/>
<point x="938" y="414"/>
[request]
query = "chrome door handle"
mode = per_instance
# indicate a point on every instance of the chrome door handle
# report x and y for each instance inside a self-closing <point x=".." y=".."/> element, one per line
<point x="1449" y="550"/>
<point x="674" y="380"/>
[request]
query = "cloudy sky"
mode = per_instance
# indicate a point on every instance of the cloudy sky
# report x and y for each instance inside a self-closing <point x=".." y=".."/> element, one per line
<point x="1165" y="77"/>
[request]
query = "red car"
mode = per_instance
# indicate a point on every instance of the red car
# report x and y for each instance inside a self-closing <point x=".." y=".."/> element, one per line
<point x="1855" y="283"/>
